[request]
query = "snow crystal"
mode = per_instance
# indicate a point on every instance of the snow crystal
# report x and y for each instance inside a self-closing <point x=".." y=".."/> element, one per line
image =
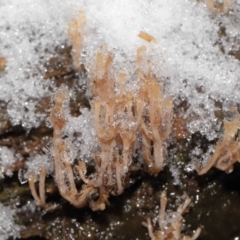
<point x="30" y="31"/>
<point x="81" y="130"/>
<point x="7" y="159"/>
<point x="7" y="226"/>
<point x="199" y="158"/>
<point x="36" y="162"/>
<point x="175" y="171"/>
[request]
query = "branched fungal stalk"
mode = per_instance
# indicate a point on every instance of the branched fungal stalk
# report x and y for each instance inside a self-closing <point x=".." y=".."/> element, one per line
<point x="227" y="151"/>
<point x="157" y="124"/>
<point x="32" y="178"/>
<point x="64" y="175"/>
<point x="170" y="229"/>
<point x="75" y="28"/>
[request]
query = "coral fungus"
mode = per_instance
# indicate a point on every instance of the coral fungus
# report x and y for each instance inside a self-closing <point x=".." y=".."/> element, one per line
<point x="227" y="150"/>
<point x="123" y="120"/>
<point x="171" y="228"/>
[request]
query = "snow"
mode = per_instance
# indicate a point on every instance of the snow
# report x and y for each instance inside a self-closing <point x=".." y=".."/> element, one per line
<point x="193" y="56"/>
<point x="7" y="227"/>
<point x="189" y="54"/>
<point x="82" y="132"/>
<point x="7" y="159"/>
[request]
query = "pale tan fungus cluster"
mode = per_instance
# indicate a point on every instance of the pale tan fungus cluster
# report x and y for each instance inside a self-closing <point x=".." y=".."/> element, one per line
<point x="123" y="120"/>
<point x="64" y="175"/>
<point x="170" y="230"/>
<point x="227" y="151"/>
<point x="156" y="122"/>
